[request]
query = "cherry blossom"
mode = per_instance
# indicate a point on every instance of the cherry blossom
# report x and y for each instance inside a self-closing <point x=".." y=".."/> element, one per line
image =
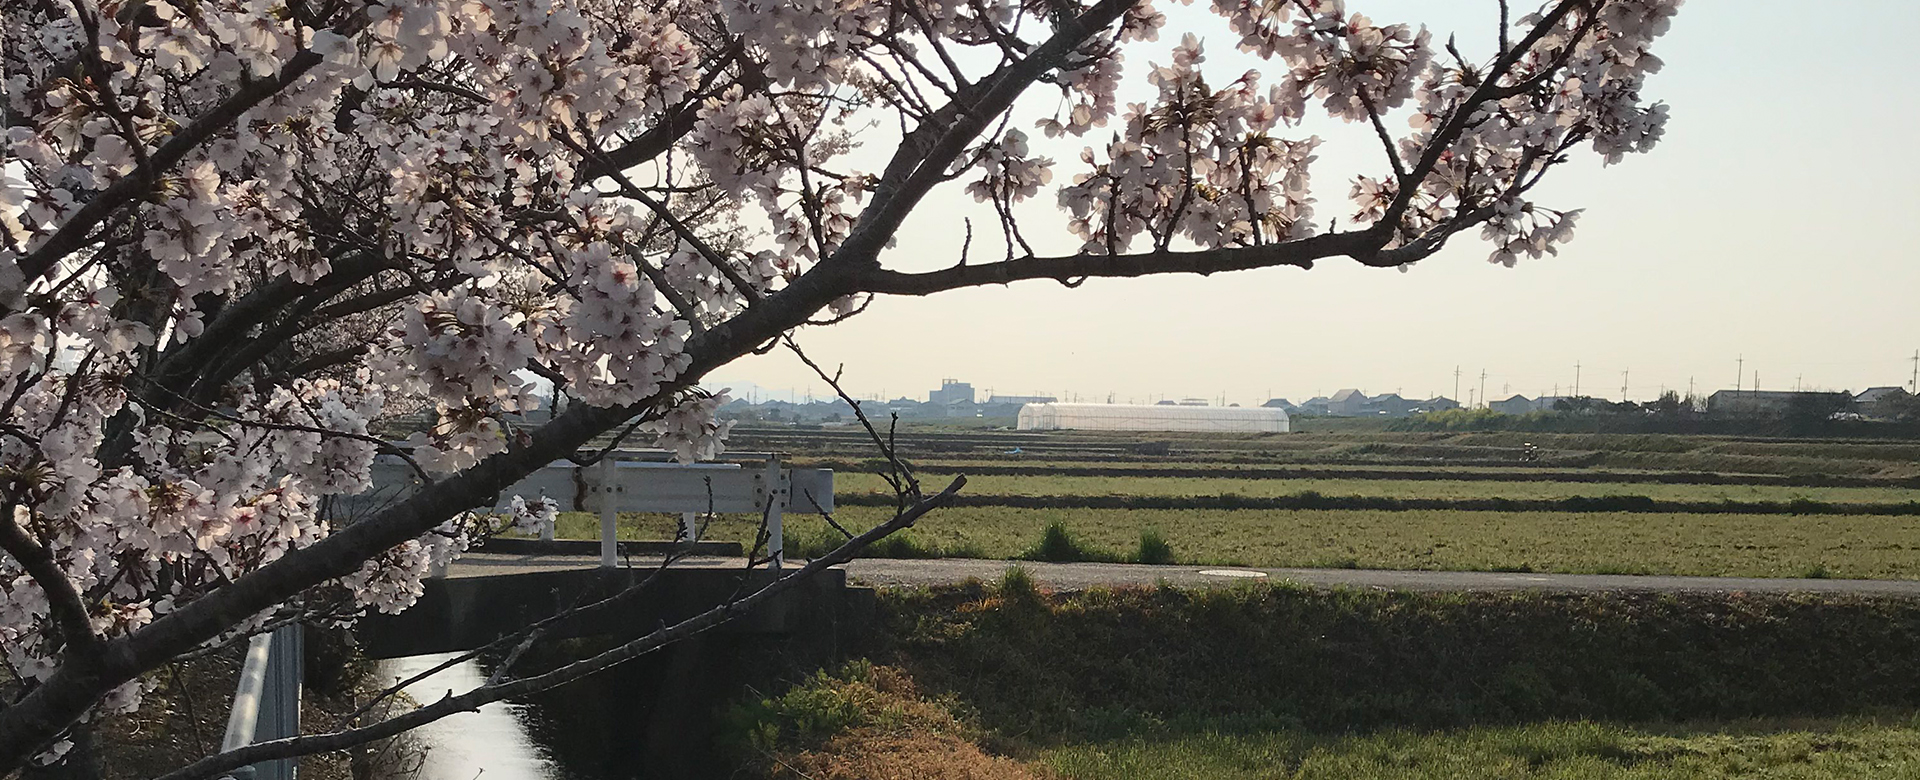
<point x="238" y="238"/>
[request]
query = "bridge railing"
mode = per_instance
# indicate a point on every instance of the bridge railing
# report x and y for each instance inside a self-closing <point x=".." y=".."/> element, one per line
<point x="266" y="700"/>
<point x="649" y="481"/>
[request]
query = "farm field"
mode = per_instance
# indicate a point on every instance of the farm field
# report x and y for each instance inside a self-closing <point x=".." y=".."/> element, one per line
<point x="1036" y="485"/>
<point x="1588" y="503"/>
<point x="1731" y="545"/>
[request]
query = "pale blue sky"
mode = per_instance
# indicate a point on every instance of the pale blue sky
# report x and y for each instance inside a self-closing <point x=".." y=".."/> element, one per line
<point x="1774" y="221"/>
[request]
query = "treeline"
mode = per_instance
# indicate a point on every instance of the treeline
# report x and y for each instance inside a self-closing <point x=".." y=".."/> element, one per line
<point x="1639" y="420"/>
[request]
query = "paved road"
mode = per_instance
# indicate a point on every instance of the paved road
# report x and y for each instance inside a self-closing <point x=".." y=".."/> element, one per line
<point x="1080" y="576"/>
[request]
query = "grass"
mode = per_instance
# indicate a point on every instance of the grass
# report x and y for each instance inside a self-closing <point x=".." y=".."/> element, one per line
<point x="1820" y="750"/>
<point x="1843" y="546"/>
<point x="1153" y="548"/>
<point x="1059" y="545"/>
<point x="848" y="482"/>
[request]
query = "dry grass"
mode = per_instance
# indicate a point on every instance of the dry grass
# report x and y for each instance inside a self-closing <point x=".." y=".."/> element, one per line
<point x="865" y="723"/>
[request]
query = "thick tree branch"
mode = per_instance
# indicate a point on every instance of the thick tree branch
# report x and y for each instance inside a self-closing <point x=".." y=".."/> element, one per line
<point x="64" y="602"/>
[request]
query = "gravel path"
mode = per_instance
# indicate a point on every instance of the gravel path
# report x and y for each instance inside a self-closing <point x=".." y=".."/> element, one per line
<point x="882" y="572"/>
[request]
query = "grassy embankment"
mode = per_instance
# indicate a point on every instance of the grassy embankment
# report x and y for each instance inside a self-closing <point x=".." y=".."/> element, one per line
<point x="1272" y="682"/>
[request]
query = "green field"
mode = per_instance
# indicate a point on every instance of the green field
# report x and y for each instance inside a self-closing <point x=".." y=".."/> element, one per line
<point x="851" y="482"/>
<point x="1844" y="546"/>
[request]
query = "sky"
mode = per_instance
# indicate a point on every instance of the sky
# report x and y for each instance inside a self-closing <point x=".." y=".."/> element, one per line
<point x="1770" y="232"/>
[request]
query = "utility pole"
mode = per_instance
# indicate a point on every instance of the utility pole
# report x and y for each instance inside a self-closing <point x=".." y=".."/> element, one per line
<point x="1623" y="386"/>
<point x="1916" y="372"/>
<point x="1576" y="380"/>
<point x="1483" y="386"/>
<point x="1689" y="387"/>
<point x="1739" y="372"/>
<point x="1456" y="378"/>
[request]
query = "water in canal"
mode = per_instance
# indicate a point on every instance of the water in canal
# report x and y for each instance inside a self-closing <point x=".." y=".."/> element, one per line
<point x="492" y="744"/>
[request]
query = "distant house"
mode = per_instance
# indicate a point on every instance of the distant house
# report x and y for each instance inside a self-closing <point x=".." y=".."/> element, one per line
<point x="1315" y="405"/>
<point x="1548" y="403"/>
<point x="1436" y="404"/>
<point x="1879" y="403"/>
<point x="1518" y="404"/>
<point x="1774" y="403"/>
<point x="1279" y="403"/>
<point x="1389" y="405"/>
<point x="1347" y="403"/>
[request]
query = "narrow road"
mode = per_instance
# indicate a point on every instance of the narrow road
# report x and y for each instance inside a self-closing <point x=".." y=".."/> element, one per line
<point x="1080" y="576"/>
<point x="885" y="572"/>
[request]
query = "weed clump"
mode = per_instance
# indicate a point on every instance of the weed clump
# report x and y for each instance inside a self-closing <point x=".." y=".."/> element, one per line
<point x="1153" y="548"/>
<point x="1059" y="545"/>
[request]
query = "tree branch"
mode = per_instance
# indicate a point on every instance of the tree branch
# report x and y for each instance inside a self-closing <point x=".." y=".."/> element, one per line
<point x="1301" y="254"/>
<point x="486" y="694"/>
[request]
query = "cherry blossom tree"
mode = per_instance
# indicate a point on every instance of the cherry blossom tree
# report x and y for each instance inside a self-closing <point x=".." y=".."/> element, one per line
<point x="233" y="231"/>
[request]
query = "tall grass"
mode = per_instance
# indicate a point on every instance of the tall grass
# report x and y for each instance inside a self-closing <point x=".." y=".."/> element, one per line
<point x="1153" y="548"/>
<point x="1059" y="545"/>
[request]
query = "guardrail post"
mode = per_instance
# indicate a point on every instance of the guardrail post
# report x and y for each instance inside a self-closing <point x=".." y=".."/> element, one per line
<point x="689" y="526"/>
<point x="609" y="515"/>
<point x="777" y="489"/>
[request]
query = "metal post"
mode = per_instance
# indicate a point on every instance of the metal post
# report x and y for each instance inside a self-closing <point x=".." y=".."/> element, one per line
<point x="689" y="526"/>
<point x="609" y="516"/>
<point x="777" y="490"/>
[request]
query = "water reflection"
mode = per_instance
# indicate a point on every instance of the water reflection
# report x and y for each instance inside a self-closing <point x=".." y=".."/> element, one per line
<point x="492" y="744"/>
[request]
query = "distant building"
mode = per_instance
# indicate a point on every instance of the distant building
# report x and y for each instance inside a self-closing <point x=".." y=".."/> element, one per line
<point x="1022" y="400"/>
<point x="1775" y="403"/>
<point x="1279" y="403"/>
<point x="1192" y="402"/>
<point x="1548" y="403"/>
<point x="1518" y="404"/>
<point x="1315" y="405"/>
<point x="1879" y="403"/>
<point x="1158" y="417"/>
<point x="1437" y="404"/>
<point x="1347" y="403"/>
<point x="952" y="391"/>
<point x="1389" y="405"/>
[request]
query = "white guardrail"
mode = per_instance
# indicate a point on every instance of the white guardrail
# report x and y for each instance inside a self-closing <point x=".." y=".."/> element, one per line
<point x="643" y="481"/>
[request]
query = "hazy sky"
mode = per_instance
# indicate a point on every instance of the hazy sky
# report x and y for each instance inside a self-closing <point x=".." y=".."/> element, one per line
<point x="1775" y="220"/>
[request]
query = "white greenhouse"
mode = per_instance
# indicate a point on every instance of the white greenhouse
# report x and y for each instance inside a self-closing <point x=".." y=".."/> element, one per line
<point x="1159" y="417"/>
